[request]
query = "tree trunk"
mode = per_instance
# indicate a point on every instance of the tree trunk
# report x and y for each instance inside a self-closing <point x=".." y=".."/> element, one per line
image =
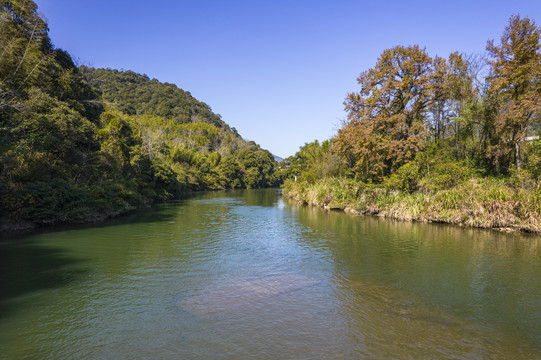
<point x="517" y="155"/>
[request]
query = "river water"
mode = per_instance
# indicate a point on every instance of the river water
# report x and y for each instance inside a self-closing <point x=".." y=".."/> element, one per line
<point x="249" y="275"/>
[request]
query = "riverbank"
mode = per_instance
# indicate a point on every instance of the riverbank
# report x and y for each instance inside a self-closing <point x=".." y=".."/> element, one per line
<point x="11" y="226"/>
<point x="8" y="225"/>
<point x="478" y="202"/>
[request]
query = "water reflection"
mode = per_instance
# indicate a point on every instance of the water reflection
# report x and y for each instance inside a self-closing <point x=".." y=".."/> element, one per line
<point x="245" y="274"/>
<point x="426" y="275"/>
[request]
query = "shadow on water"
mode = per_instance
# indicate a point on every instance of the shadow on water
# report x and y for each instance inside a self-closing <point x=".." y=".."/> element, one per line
<point x="27" y="267"/>
<point x="161" y="212"/>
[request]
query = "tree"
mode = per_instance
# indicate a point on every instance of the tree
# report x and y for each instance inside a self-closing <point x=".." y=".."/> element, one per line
<point x="451" y="87"/>
<point x="386" y="118"/>
<point x="515" y="86"/>
<point x="314" y="160"/>
<point x="64" y="155"/>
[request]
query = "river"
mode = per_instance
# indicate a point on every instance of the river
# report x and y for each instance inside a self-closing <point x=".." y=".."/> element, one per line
<point x="249" y="275"/>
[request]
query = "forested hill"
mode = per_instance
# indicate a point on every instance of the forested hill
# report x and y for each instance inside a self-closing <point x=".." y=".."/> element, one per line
<point x="136" y="94"/>
<point x="182" y="132"/>
<point x="79" y="143"/>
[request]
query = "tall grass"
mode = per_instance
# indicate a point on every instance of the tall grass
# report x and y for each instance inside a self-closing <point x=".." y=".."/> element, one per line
<point x="477" y="202"/>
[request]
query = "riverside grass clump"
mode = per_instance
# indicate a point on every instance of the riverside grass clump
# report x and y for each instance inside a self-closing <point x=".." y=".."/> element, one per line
<point x="477" y="202"/>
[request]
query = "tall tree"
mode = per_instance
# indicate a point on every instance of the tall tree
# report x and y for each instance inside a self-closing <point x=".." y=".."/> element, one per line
<point x="451" y="87"/>
<point x="515" y="86"/>
<point x="386" y="118"/>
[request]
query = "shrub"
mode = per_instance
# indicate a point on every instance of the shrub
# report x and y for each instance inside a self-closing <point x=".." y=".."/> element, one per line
<point x="446" y="175"/>
<point x="406" y="178"/>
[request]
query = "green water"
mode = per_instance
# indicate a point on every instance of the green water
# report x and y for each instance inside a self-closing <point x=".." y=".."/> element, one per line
<point x="249" y="275"/>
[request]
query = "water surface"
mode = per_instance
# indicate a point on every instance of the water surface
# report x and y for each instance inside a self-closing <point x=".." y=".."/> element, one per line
<point x="249" y="275"/>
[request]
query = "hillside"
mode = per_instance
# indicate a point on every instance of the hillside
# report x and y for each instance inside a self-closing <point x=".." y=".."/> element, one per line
<point x="81" y="143"/>
<point x="136" y="94"/>
<point x="184" y="133"/>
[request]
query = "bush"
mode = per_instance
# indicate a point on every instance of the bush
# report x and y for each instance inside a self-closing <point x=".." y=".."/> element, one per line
<point x="406" y="178"/>
<point x="446" y="175"/>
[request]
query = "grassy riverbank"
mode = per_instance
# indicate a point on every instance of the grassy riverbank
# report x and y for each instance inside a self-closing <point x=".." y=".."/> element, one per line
<point x="476" y="202"/>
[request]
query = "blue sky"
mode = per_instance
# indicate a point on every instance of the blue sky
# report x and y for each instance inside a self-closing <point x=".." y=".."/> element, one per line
<point x="278" y="71"/>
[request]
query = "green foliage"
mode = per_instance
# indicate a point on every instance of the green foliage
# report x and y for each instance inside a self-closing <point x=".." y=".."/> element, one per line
<point x="445" y="175"/>
<point x="194" y="143"/>
<point x="432" y="170"/>
<point x="136" y="94"/>
<point x="54" y="199"/>
<point x="314" y="161"/>
<point x="66" y="156"/>
<point x="532" y="163"/>
<point x="406" y="178"/>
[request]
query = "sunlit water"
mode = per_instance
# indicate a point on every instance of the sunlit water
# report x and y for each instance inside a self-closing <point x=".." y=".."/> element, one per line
<point x="248" y="275"/>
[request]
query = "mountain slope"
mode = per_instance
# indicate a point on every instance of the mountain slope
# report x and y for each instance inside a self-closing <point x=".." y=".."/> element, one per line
<point x="136" y="94"/>
<point x="184" y="133"/>
<point x="80" y="143"/>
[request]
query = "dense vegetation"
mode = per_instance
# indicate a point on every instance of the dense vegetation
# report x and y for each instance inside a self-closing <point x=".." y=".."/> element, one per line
<point x="80" y="142"/>
<point x="452" y="140"/>
<point x="175" y="129"/>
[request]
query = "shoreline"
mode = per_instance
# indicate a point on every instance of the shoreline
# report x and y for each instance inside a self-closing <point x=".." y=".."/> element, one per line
<point x="468" y="208"/>
<point x="15" y="227"/>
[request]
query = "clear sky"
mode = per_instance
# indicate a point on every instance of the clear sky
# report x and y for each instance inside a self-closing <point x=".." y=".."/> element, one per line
<point x="276" y="70"/>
